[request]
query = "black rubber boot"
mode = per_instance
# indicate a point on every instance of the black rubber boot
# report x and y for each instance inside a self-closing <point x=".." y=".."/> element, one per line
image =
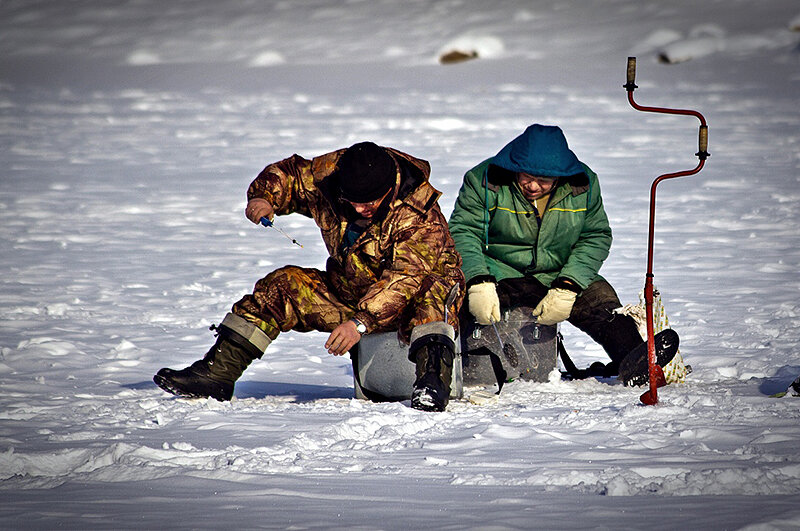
<point x="215" y="375"/>
<point x="433" y="354"/>
<point x="618" y="336"/>
<point x="601" y="370"/>
<point x="634" y="369"/>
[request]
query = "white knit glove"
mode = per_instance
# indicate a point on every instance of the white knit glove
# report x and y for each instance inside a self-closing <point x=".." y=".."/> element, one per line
<point x="554" y="307"/>
<point x="483" y="302"/>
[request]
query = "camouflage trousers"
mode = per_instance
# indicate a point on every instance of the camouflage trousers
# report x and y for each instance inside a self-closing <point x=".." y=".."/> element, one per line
<point x="303" y="299"/>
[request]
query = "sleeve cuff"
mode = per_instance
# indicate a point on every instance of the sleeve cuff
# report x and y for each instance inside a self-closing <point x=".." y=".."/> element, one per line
<point x="566" y="283"/>
<point x="366" y="319"/>
<point x="480" y="279"/>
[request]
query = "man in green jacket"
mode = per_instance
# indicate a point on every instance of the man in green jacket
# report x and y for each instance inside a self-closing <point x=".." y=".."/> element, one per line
<point x="530" y="226"/>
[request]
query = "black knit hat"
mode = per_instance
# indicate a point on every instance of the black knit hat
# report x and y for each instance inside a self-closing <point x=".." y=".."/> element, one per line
<point x="365" y="172"/>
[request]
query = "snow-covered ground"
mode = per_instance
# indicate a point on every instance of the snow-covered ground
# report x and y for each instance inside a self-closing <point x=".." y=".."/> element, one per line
<point x="129" y="132"/>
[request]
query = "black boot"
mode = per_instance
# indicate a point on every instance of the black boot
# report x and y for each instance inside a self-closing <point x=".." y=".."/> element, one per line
<point x="618" y="336"/>
<point x="238" y="343"/>
<point x="432" y="350"/>
<point x="616" y="333"/>
<point x="634" y="369"/>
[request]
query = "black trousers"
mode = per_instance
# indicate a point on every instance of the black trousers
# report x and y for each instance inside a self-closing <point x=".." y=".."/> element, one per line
<point x="593" y="313"/>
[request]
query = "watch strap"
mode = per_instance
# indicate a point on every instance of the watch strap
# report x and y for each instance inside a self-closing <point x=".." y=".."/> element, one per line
<point x="360" y="327"/>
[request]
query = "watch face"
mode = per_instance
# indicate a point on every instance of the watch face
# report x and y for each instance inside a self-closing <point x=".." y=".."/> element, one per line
<point x="361" y="328"/>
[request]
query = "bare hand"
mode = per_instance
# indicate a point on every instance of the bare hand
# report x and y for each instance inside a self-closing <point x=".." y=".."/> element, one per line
<point x="259" y="208"/>
<point x="343" y="338"/>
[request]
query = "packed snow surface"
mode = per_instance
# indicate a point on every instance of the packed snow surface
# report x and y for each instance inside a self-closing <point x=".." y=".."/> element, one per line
<point x="129" y="133"/>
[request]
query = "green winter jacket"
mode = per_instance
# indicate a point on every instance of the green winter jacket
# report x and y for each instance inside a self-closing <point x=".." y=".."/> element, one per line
<point x="496" y="229"/>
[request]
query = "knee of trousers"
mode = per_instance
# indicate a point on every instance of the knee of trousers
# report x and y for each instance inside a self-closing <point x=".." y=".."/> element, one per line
<point x="276" y="288"/>
<point x="596" y="303"/>
<point x="281" y="279"/>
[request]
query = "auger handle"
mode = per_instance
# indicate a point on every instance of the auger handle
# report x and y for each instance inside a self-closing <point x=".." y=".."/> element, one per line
<point x="703" y="143"/>
<point x="630" y="85"/>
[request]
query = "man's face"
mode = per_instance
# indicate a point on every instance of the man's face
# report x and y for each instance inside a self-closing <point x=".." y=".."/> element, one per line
<point x="534" y="187"/>
<point x="367" y="210"/>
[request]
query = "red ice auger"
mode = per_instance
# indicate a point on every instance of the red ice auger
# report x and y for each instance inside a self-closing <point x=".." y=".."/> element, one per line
<point x="657" y="379"/>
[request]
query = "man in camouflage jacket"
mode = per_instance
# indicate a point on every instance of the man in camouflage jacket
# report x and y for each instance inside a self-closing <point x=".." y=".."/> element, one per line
<point x="391" y="266"/>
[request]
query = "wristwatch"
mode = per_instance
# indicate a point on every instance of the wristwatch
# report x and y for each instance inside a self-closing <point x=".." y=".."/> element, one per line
<point x="361" y="328"/>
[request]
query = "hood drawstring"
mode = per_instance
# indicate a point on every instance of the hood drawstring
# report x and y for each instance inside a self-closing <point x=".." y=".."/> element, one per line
<point x="486" y="209"/>
<point x="589" y="196"/>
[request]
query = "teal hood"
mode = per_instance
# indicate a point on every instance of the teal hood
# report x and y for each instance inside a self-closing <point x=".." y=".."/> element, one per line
<point x="541" y="150"/>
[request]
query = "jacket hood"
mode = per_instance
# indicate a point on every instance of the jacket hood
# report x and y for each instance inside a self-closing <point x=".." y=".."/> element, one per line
<point x="541" y="150"/>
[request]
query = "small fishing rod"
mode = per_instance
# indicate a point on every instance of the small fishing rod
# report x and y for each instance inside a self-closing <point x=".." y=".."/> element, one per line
<point x="267" y="223"/>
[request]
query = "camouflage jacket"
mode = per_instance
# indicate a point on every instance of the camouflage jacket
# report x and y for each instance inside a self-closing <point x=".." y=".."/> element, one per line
<point x="402" y="250"/>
